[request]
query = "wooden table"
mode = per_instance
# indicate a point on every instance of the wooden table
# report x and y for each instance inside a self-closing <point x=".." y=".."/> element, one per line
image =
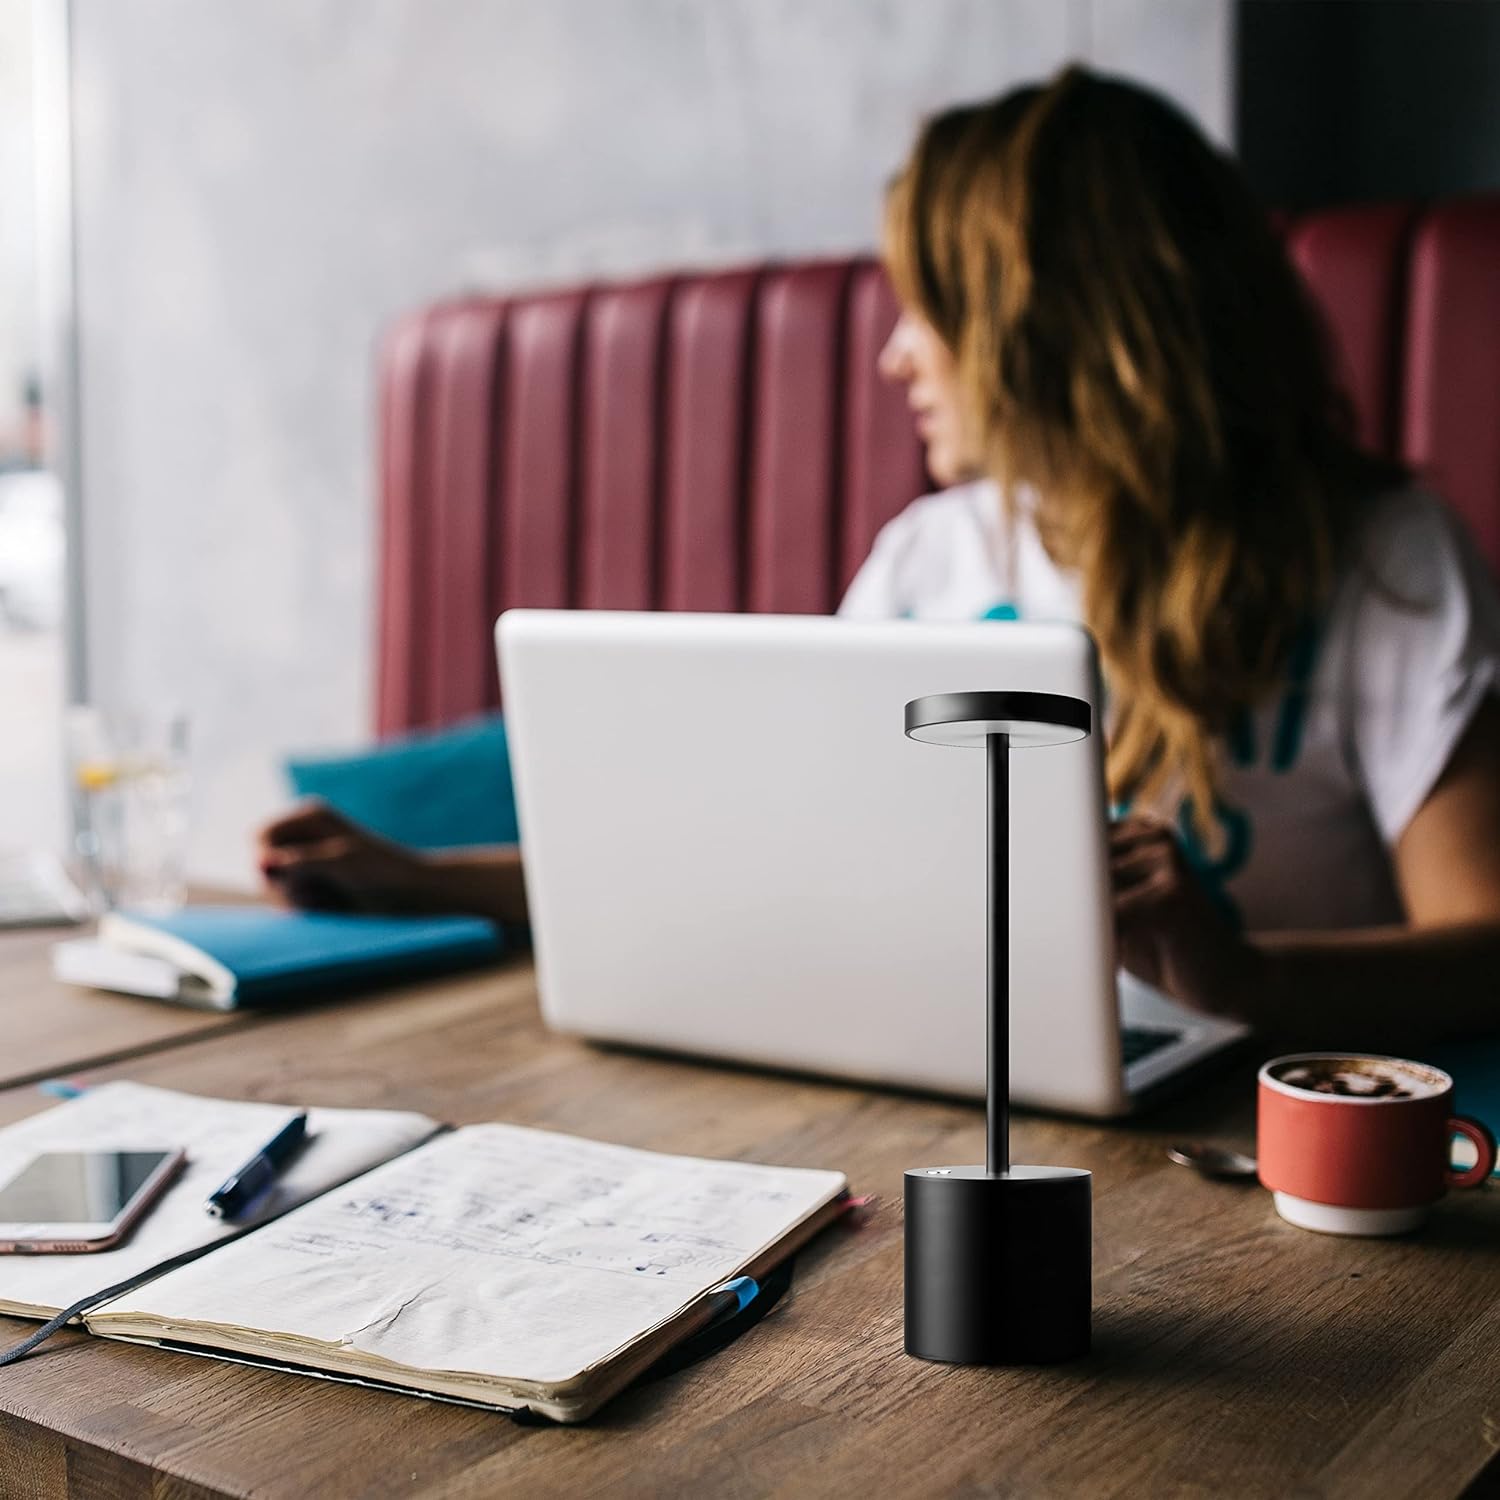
<point x="1235" y="1355"/>
<point x="47" y="1028"/>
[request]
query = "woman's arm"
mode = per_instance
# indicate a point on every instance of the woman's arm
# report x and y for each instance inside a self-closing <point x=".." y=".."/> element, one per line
<point x="1384" y="988"/>
<point x="1439" y="975"/>
<point x="488" y="882"/>
<point x="316" y="857"/>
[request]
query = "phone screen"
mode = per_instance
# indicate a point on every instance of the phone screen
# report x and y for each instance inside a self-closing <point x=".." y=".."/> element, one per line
<point x="77" y="1187"/>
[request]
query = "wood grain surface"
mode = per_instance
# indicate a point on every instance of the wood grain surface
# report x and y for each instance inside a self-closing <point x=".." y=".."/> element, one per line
<point x="1234" y="1355"/>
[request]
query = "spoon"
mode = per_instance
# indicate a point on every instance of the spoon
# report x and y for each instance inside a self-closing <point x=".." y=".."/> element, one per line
<point x="1212" y="1161"/>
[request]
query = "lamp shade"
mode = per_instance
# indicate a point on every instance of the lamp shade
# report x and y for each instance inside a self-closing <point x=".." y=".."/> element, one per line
<point x="1030" y="720"/>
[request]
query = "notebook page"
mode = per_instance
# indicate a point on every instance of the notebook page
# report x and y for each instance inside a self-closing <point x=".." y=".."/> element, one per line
<point x="219" y="1136"/>
<point x="501" y="1251"/>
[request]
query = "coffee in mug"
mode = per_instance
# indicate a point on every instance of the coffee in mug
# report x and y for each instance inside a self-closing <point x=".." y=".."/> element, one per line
<point x="1350" y="1143"/>
<point x="1348" y="1077"/>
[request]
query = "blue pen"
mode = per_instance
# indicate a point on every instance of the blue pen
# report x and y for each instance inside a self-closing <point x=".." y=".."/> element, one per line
<point x="240" y="1189"/>
<point x="734" y="1296"/>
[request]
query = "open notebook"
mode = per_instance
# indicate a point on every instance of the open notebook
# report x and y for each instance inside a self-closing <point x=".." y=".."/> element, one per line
<point x="220" y="1135"/>
<point x="511" y="1267"/>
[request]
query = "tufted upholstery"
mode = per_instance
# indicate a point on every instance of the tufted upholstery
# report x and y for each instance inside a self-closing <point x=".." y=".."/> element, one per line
<point x="723" y="442"/>
<point x="1412" y="295"/>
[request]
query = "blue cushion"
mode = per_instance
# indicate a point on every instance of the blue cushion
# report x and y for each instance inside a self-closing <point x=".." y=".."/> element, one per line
<point x="439" y="789"/>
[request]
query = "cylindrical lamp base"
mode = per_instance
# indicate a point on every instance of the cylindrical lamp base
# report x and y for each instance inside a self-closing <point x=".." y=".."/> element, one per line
<point x="998" y="1268"/>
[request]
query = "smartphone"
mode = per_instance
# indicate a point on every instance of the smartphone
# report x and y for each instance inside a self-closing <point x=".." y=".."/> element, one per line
<point x="72" y="1202"/>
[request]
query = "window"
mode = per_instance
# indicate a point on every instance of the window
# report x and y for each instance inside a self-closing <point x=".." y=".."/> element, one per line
<point x="31" y="506"/>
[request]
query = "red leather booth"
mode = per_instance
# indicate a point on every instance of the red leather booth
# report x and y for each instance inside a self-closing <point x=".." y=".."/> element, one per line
<point x="723" y="441"/>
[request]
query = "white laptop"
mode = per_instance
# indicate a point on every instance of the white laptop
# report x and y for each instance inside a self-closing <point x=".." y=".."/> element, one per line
<point x="734" y="851"/>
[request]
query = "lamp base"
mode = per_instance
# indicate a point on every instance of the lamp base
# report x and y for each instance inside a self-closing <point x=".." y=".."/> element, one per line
<point x="998" y="1267"/>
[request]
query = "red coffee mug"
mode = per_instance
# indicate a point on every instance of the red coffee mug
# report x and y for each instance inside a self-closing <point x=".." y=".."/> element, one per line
<point x="1369" y="1162"/>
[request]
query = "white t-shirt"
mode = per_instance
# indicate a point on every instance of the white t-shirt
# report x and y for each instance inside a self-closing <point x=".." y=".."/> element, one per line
<point x="1319" y="783"/>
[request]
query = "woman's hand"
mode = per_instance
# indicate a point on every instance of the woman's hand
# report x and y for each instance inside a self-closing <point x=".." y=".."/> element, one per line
<point x="315" y="857"/>
<point x="1168" y="930"/>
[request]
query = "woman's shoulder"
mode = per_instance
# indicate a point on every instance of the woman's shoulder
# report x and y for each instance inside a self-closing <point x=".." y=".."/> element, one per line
<point x="917" y="552"/>
<point x="1413" y="572"/>
<point x="1410" y="542"/>
<point x="929" y="533"/>
<point x="961" y="507"/>
<point x="1416" y="593"/>
<point x="1413" y="643"/>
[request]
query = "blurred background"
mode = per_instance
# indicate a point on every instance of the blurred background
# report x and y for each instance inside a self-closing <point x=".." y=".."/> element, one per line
<point x="209" y="213"/>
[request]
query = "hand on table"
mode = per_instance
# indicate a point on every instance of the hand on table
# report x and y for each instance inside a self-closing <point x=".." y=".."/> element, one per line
<point x="1168" y="929"/>
<point x="317" y="858"/>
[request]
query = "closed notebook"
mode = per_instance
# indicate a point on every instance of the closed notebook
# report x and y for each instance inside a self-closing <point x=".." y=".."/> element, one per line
<point x="506" y="1266"/>
<point x="224" y="957"/>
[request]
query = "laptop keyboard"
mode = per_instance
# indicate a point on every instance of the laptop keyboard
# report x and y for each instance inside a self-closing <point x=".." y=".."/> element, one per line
<point x="1137" y="1042"/>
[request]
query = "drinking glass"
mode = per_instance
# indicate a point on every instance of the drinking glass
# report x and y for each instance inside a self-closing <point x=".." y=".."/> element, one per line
<point x="128" y="781"/>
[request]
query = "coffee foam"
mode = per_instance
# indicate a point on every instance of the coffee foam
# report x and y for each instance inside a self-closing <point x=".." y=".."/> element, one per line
<point x="1333" y="1075"/>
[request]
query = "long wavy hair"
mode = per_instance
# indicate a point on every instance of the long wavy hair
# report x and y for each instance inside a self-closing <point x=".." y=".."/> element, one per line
<point x="1133" y="345"/>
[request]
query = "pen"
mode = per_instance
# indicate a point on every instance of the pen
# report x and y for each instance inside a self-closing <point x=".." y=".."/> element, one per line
<point x="240" y="1189"/>
<point x="734" y="1296"/>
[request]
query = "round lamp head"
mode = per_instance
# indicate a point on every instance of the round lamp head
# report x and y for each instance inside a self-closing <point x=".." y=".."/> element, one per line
<point x="1029" y="719"/>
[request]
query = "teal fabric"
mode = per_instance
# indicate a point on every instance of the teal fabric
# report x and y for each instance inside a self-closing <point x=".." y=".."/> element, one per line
<point x="1237" y="840"/>
<point x="439" y="789"/>
<point x="1293" y="716"/>
<point x="1475" y="1068"/>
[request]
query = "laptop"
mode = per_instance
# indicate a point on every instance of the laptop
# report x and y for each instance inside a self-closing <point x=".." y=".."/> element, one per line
<point x="733" y="851"/>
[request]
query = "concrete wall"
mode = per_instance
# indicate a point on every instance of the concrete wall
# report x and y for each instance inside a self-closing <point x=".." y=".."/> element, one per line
<point x="18" y="314"/>
<point x="262" y="186"/>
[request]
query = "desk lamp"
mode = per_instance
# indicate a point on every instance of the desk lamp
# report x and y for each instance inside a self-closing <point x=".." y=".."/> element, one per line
<point x="998" y="1257"/>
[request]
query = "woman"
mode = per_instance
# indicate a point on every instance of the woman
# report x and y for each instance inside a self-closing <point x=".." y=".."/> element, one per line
<point x="1114" y="368"/>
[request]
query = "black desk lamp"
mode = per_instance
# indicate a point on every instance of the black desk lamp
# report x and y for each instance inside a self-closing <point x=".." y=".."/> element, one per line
<point x="998" y="1257"/>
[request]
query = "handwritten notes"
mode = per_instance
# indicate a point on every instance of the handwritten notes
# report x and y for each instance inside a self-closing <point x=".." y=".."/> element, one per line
<point x="497" y="1250"/>
<point x="219" y="1135"/>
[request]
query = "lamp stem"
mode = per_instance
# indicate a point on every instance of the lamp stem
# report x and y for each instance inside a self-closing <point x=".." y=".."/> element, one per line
<point x="997" y="1083"/>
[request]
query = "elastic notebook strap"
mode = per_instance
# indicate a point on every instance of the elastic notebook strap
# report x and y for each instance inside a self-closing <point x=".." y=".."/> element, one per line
<point x="87" y="1304"/>
<point x="183" y="1258"/>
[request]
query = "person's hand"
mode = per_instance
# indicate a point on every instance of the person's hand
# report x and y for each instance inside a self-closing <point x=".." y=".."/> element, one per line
<point x="317" y="858"/>
<point x="1168" y="930"/>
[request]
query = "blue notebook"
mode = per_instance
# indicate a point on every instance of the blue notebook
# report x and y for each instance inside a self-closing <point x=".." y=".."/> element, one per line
<point x="225" y="957"/>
